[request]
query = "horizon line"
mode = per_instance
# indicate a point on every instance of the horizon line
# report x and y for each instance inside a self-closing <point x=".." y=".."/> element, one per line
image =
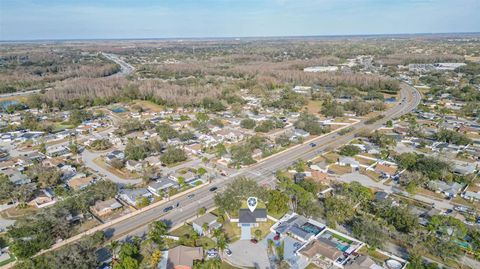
<point x="232" y="37"/>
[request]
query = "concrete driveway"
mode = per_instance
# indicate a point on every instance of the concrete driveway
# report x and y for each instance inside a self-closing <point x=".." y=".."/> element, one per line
<point x="248" y="254"/>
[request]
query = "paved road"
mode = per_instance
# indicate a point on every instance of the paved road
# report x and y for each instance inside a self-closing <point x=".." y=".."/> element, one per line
<point x="262" y="172"/>
<point x="126" y="68"/>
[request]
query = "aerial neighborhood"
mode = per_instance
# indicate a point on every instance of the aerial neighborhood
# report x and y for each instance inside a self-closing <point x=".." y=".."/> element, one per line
<point x="324" y="153"/>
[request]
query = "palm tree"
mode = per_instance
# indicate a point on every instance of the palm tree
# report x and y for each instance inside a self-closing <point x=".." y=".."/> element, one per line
<point x="205" y="228"/>
<point x="222" y="242"/>
<point x="113" y="246"/>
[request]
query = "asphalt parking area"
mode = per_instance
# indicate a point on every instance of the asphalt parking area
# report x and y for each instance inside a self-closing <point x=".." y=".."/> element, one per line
<point x="248" y="254"/>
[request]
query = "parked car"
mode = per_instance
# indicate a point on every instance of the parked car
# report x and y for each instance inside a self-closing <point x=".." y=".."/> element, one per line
<point x="253" y="240"/>
<point x="212" y="253"/>
<point x="313" y="145"/>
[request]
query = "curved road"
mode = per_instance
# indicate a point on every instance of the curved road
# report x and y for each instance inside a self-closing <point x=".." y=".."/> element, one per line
<point x="262" y="172"/>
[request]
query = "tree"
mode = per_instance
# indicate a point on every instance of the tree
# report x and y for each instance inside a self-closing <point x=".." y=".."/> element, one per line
<point x="248" y="123"/>
<point x="136" y="150"/>
<point x="166" y="132"/>
<point x="222" y="242"/>
<point x="369" y="231"/>
<point x="220" y="150"/>
<point x="45" y="176"/>
<point x="277" y="202"/>
<point x="157" y="230"/>
<point x="6" y="188"/>
<point x="113" y="246"/>
<point x="117" y="163"/>
<point x="337" y="210"/>
<point x="142" y="201"/>
<point x="155" y="258"/>
<point x="349" y="150"/>
<point x="230" y="199"/>
<point x="173" y="155"/>
<point x="101" y="144"/>
<point x="310" y="123"/>
<point x="201" y="211"/>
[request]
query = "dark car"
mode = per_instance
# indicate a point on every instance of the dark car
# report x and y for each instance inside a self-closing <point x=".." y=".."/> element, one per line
<point x="313" y="145"/>
<point x="190" y="196"/>
<point x="254" y="240"/>
<point x="213" y="189"/>
<point x="166" y="209"/>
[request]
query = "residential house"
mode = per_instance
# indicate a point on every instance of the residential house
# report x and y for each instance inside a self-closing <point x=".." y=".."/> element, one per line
<point x="153" y="160"/>
<point x="209" y="219"/>
<point x="195" y="148"/>
<point x="116" y="154"/>
<point x="300" y="133"/>
<point x="131" y="196"/>
<point x="187" y="177"/>
<point x="318" y="249"/>
<point x="55" y="151"/>
<point x="164" y="184"/>
<point x="299" y="177"/>
<point x="381" y="196"/>
<point x="248" y="219"/>
<point x="183" y="257"/>
<point x="80" y="181"/>
<point x="134" y="166"/>
<point x="103" y="208"/>
<point x="43" y="198"/>
<point x="449" y="189"/>
<point x="348" y="161"/>
<point x="387" y="171"/>
<point x="299" y="227"/>
<point x="16" y="177"/>
<point x="362" y="262"/>
<point x="464" y="169"/>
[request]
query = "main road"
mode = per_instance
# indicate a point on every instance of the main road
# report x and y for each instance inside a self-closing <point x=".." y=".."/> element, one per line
<point x="262" y="171"/>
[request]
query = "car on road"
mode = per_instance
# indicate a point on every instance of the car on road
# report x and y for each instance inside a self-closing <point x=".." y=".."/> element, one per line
<point x="213" y="189"/>
<point x="190" y="196"/>
<point x="313" y="145"/>
<point x="228" y="252"/>
<point x="253" y="240"/>
<point x="168" y="208"/>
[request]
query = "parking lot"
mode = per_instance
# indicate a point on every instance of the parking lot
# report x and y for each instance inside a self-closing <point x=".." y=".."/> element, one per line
<point x="248" y="254"/>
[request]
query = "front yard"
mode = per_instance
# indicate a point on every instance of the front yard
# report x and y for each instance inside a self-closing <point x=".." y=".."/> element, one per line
<point x="188" y="237"/>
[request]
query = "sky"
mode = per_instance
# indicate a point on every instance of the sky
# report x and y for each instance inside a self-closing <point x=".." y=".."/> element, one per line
<point x="109" y="19"/>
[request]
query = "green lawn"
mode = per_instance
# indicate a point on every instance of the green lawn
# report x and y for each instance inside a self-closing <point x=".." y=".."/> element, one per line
<point x="312" y="266"/>
<point x="233" y="231"/>
<point x="5" y="262"/>
<point x="186" y="233"/>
